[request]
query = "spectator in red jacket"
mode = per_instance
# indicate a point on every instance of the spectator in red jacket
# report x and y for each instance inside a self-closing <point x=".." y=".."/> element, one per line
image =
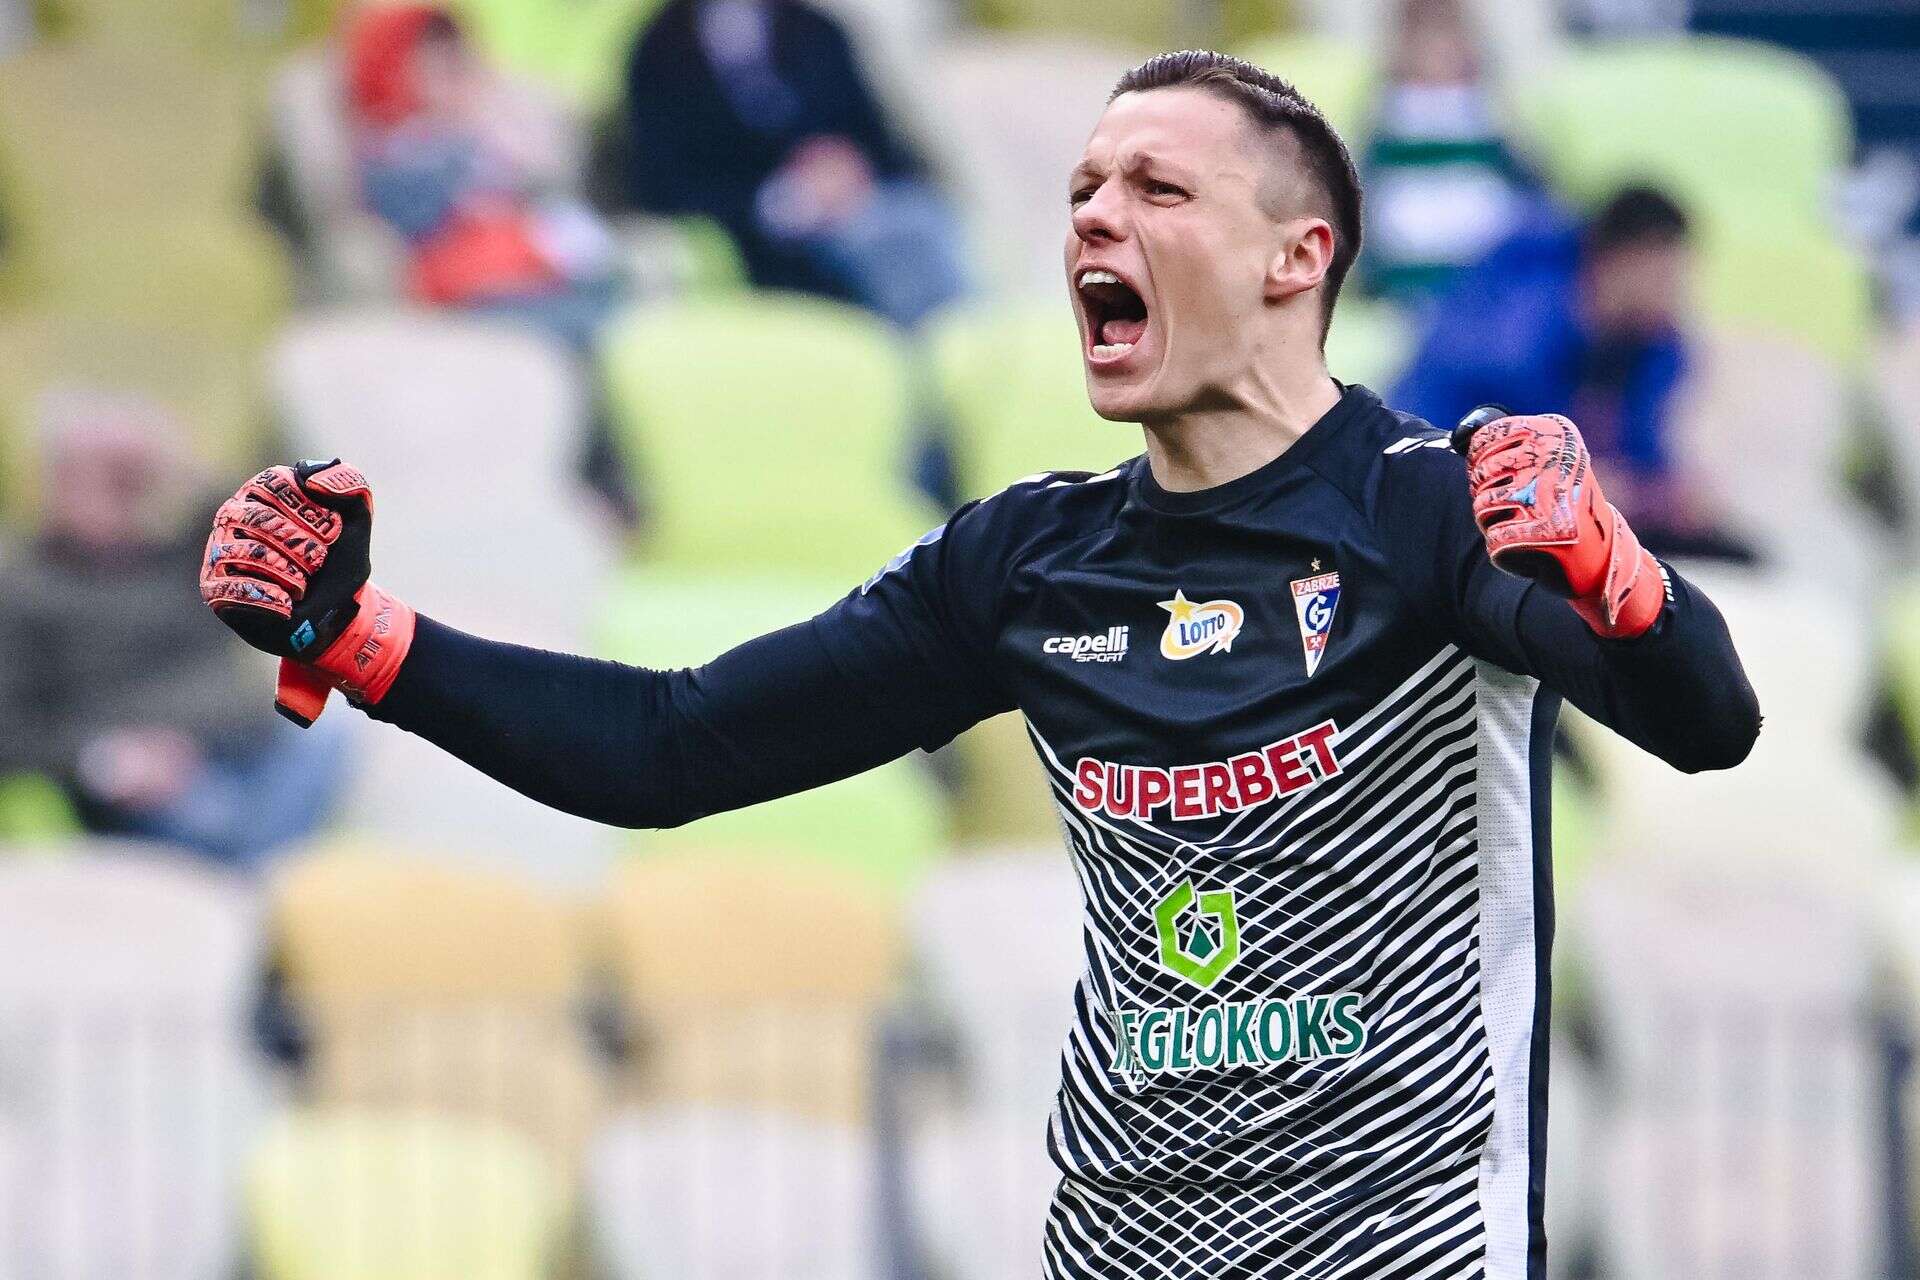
<point x="472" y="177"/>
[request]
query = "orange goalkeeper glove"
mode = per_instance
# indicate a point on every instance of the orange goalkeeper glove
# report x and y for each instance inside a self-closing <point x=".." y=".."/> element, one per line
<point x="286" y="568"/>
<point x="1539" y="506"/>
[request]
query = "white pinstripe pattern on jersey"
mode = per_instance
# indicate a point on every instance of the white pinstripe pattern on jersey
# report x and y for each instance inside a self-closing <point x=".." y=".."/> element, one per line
<point x="1371" y="880"/>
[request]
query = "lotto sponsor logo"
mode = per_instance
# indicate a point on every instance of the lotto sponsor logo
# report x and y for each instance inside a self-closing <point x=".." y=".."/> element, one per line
<point x="1109" y="646"/>
<point x="1236" y="1033"/>
<point x="1194" y="629"/>
<point x="1190" y="791"/>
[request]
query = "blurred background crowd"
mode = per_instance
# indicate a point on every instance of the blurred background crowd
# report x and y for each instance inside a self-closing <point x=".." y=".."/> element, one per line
<point x="661" y="323"/>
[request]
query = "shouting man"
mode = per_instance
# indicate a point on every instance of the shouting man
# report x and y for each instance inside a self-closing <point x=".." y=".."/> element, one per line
<point x="1293" y="672"/>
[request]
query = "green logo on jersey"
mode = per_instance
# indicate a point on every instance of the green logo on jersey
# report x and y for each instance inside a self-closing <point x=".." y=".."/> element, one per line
<point x="1189" y="946"/>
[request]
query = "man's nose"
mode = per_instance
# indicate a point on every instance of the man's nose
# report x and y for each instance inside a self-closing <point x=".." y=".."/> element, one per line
<point x="1098" y="217"/>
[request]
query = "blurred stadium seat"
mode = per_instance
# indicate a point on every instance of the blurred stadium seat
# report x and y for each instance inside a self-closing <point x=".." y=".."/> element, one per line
<point x="768" y="430"/>
<point x="1811" y="674"/>
<point x="1014" y="113"/>
<point x="394" y="1195"/>
<point x="227" y="280"/>
<point x="1732" y="1005"/>
<point x="93" y="135"/>
<point x="206" y="383"/>
<point x="1751" y="138"/>
<point x="1724" y="124"/>
<point x="1016" y="396"/>
<point x="34" y="811"/>
<point x="204" y="27"/>
<point x="885" y="825"/>
<point x="1368" y="343"/>
<point x="577" y="48"/>
<point x="428" y="985"/>
<point x="726" y="1193"/>
<point x="751" y="989"/>
<point x="749" y="982"/>
<point x="470" y="431"/>
<point x="997" y="947"/>
<point x="130" y="1094"/>
<point x="1769" y="415"/>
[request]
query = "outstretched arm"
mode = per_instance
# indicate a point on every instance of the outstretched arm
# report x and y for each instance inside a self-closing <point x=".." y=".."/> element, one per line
<point x="642" y="748"/>
<point x="894" y="666"/>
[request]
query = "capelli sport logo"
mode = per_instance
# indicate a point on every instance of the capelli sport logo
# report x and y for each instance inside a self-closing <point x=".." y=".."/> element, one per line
<point x="1195" y="629"/>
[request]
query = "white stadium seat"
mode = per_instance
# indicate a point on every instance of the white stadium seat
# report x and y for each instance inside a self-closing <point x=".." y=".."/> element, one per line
<point x="128" y="1088"/>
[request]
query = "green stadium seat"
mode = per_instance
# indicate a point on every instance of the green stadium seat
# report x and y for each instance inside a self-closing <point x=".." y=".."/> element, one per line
<point x="768" y="431"/>
<point x="1016" y="395"/>
<point x="105" y="135"/>
<point x="210" y="27"/>
<point x="1793" y="278"/>
<point x="1719" y="122"/>
<point x="225" y="279"/>
<point x="371" y="1195"/>
<point x="1750" y="137"/>
<point x="577" y="48"/>
<point x="1335" y="75"/>
<point x="33" y="809"/>
<point x="887" y="824"/>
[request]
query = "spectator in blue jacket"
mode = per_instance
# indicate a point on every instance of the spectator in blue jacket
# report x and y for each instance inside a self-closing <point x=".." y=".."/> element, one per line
<point x="755" y="113"/>
<point x="1584" y="320"/>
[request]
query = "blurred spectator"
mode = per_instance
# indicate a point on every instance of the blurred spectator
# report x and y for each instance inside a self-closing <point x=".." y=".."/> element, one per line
<point x="112" y="682"/>
<point x="479" y="182"/>
<point x="755" y="113"/>
<point x="465" y="172"/>
<point x="1442" y="184"/>
<point x="1583" y="320"/>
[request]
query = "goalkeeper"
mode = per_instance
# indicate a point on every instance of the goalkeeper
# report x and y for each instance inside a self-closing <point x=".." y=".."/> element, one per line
<point x="1293" y="674"/>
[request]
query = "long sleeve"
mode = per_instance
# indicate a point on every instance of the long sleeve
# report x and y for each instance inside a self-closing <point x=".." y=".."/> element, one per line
<point x="1679" y="691"/>
<point x="888" y="669"/>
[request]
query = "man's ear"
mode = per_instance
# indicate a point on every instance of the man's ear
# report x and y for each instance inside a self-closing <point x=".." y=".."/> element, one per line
<point x="1302" y="259"/>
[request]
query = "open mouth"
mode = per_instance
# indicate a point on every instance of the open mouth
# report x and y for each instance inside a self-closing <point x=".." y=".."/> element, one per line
<point x="1116" y="314"/>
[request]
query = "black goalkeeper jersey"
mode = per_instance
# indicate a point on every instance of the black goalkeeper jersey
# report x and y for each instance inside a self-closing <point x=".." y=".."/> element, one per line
<point x="1297" y="729"/>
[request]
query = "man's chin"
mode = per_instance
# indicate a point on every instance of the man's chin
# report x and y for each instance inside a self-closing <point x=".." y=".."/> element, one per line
<point x="1118" y="401"/>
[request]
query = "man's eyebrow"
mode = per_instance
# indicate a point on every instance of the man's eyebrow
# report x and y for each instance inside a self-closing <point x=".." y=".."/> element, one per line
<point x="1141" y="161"/>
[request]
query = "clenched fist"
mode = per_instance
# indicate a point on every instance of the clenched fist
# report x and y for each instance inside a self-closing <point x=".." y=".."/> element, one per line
<point x="1539" y="506"/>
<point x="287" y="568"/>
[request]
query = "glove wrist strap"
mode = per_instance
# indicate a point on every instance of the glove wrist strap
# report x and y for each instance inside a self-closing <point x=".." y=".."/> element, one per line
<point x="1633" y="592"/>
<point x="362" y="662"/>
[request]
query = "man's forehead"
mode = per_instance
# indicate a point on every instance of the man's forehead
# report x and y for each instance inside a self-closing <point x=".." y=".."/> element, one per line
<point x="1186" y="125"/>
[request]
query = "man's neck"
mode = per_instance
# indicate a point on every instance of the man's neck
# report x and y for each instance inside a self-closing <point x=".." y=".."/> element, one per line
<point x="1211" y="446"/>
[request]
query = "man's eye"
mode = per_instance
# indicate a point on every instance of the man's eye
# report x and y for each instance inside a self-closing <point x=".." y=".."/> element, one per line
<point x="1079" y="197"/>
<point x="1164" y="189"/>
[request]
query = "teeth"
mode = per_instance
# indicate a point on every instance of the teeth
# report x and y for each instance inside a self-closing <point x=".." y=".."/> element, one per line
<point x="1098" y="277"/>
<point x="1111" y="350"/>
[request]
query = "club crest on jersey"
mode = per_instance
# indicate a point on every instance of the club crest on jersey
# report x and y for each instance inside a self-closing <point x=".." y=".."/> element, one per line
<point x="1195" y="629"/>
<point x="1314" y="600"/>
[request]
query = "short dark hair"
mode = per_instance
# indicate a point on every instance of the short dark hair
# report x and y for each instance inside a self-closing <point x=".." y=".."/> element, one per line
<point x="1636" y="215"/>
<point x="1274" y="106"/>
